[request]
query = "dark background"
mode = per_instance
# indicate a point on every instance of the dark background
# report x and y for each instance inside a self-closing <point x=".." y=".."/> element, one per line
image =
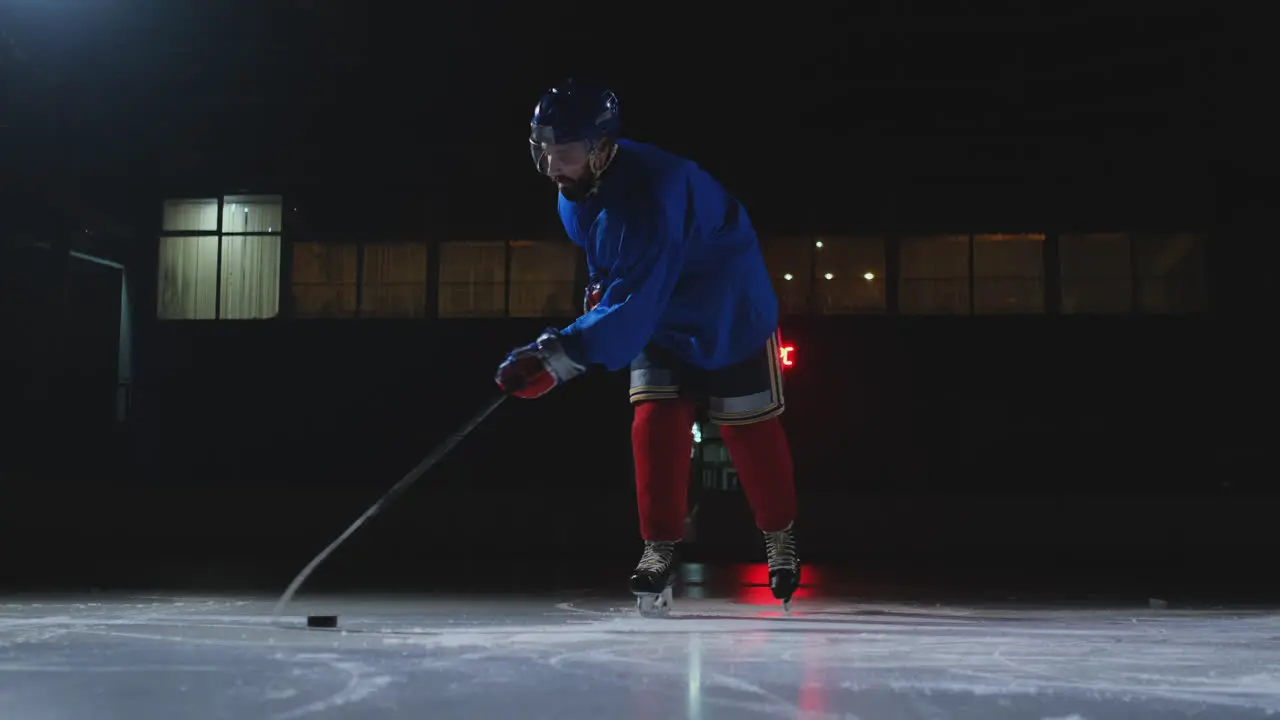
<point x="1048" y="451"/>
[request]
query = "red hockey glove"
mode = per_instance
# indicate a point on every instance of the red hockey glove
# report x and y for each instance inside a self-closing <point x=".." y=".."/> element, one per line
<point x="592" y="297"/>
<point x="533" y="370"/>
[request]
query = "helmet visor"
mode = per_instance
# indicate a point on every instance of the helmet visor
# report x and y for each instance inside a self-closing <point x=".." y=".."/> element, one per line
<point x="558" y="158"/>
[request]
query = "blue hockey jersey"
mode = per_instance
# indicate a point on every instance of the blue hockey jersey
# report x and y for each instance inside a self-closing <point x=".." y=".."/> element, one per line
<point x="680" y="264"/>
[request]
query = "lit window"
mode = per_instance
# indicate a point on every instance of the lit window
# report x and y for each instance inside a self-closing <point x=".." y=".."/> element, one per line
<point x="323" y="280"/>
<point x="542" y="279"/>
<point x="849" y="268"/>
<point x="1008" y="273"/>
<point x="394" y="280"/>
<point x="789" y="261"/>
<point x="473" y="279"/>
<point x="220" y="267"/>
<point x="934" y="275"/>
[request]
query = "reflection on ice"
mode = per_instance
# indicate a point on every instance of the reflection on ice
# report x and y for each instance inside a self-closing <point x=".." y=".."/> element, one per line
<point x="731" y="655"/>
<point x="694" y="707"/>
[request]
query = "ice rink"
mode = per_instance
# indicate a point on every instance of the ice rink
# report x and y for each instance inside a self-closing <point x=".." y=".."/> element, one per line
<point x="574" y="655"/>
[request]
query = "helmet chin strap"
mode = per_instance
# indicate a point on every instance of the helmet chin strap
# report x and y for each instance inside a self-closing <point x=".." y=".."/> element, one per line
<point x="598" y="161"/>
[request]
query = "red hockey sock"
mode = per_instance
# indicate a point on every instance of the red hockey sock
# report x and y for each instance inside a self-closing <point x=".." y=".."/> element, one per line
<point x="762" y="455"/>
<point x="662" y="441"/>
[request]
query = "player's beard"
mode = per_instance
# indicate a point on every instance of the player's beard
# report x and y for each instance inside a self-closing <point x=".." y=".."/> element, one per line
<point x="578" y="190"/>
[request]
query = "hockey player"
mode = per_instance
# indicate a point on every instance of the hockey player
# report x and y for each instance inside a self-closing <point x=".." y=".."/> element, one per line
<point x="679" y="292"/>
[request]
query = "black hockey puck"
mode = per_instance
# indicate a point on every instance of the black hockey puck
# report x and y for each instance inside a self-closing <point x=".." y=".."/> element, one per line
<point x="322" y="621"/>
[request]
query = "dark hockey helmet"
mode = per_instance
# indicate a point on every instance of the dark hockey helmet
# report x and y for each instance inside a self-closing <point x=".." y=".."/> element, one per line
<point x="572" y="112"/>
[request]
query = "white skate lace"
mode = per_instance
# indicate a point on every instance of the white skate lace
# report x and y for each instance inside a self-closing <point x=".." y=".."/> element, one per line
<point x="656" y="557"/>
<point x="781" y="549"/>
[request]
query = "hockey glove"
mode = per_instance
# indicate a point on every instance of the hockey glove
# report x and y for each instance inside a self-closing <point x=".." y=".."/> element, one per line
<point x="533" y="370"/>
<point x="592" y="297"/>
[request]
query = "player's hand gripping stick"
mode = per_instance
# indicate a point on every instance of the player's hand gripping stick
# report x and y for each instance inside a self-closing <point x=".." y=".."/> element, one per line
<point x="533" y="370"/>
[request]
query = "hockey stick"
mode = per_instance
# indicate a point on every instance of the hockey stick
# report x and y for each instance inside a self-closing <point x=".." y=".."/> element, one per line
<point x="396" y="491"/>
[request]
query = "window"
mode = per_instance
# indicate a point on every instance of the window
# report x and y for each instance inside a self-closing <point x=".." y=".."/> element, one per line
<point x="394" y="281"/>
<point x="543" y="279"/>
<point x="1170" y="273"/>
<point x="1008" y="273"/>
<point x="251" y="226"/>
<point x="188" y="282"/>
<point x="324" y="280"/>
<point x="190" y="215"/>
<point x="473" y="279"/>
<point x="790" y="265"/>
<point x="188" y="263"/>
<point x="1097" y="276"/>
<point x="226" y="266"/>
<point x="934" y="275"/>
<point x="849" y="275"/>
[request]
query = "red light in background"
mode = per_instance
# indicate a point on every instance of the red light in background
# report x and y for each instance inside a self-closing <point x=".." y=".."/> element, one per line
<point x="787" y="353"/>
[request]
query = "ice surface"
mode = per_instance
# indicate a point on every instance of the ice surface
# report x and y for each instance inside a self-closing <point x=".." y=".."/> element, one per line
<point x="196" y="658"/>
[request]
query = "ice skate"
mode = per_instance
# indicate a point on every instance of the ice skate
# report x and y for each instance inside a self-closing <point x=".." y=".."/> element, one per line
<point x="653" y="577"/>
<point x="784" y="565"/>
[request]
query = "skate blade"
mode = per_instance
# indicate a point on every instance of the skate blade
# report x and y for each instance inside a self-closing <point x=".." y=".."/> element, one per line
<point x="654" y="604"/>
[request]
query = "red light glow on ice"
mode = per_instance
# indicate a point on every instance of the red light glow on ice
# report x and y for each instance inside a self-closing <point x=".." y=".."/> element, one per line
<point x="752" y="586"/>
<point x="757" y="574"/>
